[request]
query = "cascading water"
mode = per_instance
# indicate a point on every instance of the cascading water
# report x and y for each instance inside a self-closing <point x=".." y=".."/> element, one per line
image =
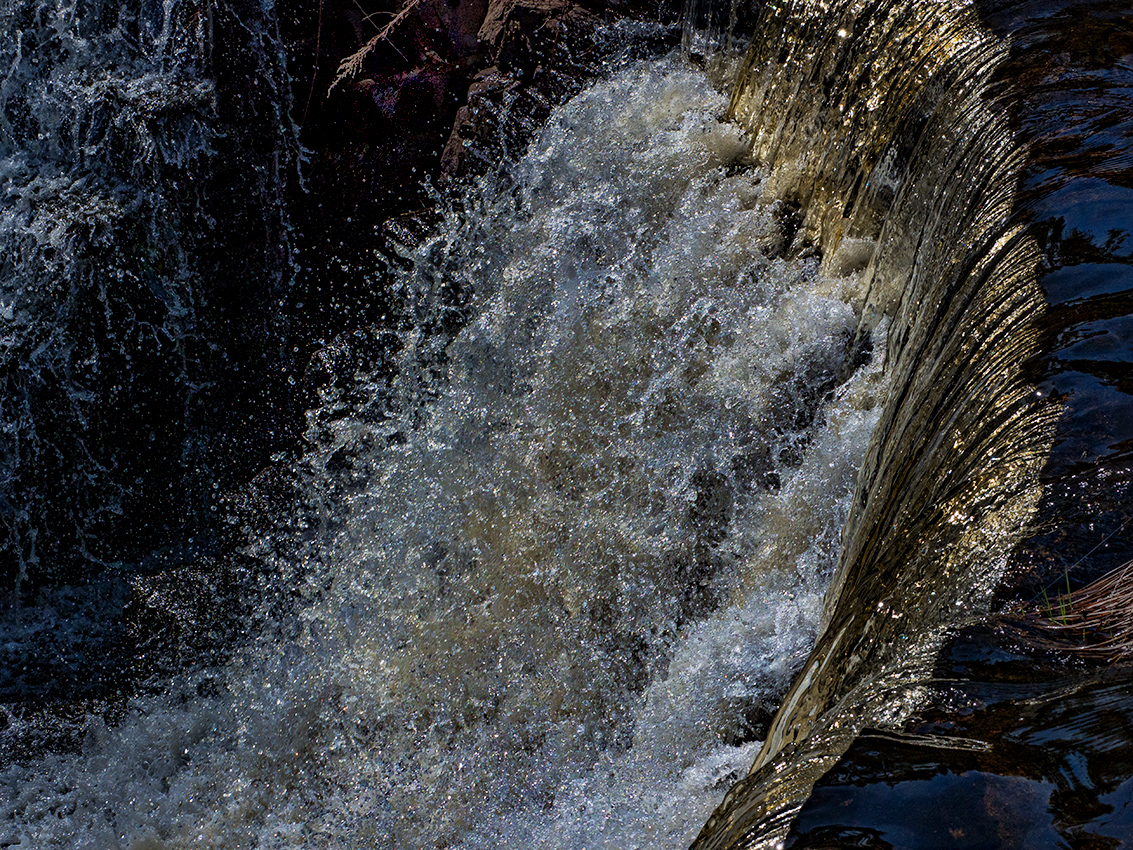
<point x="563" y="530"/>
<point x="143" y="259"/>
<point x="144" y="275"/>
<point x="549" y="566"/>
<point x="926" y="162"/>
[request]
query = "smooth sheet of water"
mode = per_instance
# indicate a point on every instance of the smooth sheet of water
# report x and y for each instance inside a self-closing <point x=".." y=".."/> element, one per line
<point x="559" y="569"/>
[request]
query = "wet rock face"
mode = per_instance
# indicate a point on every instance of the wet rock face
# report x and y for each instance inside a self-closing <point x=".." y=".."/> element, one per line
<point x="404" y="93"/>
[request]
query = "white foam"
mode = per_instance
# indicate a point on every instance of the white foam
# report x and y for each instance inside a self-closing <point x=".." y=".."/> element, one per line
<point x="533" y="617"/>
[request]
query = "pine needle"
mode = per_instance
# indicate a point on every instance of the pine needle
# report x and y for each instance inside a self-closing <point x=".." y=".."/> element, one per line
<point x="351" y="66"/>
<point x="1103" y="610"/>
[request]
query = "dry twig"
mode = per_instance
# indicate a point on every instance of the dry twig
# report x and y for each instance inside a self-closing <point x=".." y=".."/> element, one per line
<point x="352" y="64"/>
<point x="1103" y="610"/>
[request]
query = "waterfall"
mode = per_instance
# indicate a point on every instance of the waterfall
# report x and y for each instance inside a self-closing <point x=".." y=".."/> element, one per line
<point x="561" y="536"/>
<point x="951" y="478"/>
<point x="698" y="438"/>
<point x="910" y="165"/>
<point x="128" y="142"/>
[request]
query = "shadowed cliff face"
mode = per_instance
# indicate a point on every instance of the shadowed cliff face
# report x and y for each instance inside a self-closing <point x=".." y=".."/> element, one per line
<point x="977" y="162"/>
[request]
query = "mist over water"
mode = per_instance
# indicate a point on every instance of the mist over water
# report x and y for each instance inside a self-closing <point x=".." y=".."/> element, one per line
<point x="554" y="574"/>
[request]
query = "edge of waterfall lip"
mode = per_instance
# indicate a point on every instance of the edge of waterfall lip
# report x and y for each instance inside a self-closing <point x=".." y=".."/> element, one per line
<point x="1076" y="308"/>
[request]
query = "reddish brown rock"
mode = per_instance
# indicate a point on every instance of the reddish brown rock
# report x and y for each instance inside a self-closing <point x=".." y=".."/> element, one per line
<point x="395" y="95"/>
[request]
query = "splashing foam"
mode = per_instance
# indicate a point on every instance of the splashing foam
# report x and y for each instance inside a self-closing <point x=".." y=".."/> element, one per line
<point x="538" y="612"/>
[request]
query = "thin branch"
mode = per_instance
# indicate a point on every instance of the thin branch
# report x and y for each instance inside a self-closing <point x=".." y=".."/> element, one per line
<point x="318" y="55"/>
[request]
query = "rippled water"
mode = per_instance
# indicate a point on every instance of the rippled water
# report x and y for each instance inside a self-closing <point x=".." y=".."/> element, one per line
<point x="556" y="572"/>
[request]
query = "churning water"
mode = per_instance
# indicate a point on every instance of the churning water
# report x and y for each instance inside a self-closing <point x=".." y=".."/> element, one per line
<point x="561" y="549"/>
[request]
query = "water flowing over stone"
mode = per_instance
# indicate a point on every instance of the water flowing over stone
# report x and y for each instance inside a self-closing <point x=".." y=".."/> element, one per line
<point x="690" y="476"/>
<point x="911" y="166"/>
